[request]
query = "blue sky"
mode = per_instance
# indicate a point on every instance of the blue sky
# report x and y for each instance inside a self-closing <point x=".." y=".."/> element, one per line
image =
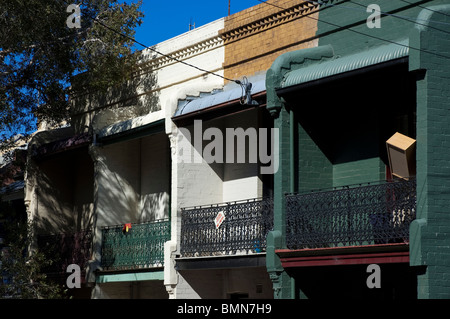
<point x="166" y="19"/>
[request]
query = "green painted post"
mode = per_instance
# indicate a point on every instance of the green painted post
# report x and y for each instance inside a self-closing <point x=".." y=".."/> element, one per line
<point x="283" y="178"/>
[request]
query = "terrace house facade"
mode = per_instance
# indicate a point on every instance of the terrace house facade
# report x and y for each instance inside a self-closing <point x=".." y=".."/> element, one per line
<point x="140" y="192"/>
<point x="111" y="192"/>
<point x="100" y="189"/>
<point x="341" y="205"/>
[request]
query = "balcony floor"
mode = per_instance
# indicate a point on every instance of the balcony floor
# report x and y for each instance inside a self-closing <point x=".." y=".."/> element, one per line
<point x="225" y="261"/>
<point x="349" y="255"/>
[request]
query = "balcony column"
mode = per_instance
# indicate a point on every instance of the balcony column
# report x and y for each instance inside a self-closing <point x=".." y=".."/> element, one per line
<point x="276" y="239"/>
<point x="171" y="247"/>
<point x="94" y="262"/>
<point x="170" y="274"/>
<point x="31" y="196"/>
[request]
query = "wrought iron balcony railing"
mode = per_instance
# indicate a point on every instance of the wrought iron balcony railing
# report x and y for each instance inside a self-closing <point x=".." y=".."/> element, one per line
<point x="243" y="230"/>
<point x="142" y="246"/>
<point x="352" y="216"/>
<point x="65" y="249"/>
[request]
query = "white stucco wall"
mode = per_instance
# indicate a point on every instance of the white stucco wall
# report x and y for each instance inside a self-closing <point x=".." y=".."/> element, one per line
<point x="133" y="181"/>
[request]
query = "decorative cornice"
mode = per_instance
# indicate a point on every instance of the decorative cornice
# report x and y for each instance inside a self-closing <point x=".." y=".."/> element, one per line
<point x="181" y="54"/>
<point x="268" y="22"/>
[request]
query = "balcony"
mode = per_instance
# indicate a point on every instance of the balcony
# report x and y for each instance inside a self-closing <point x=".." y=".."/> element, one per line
<point x="242" y="231"/>
<point x="65" y="249"/>
<point x="372" y="214"/>
<point x="141" y="247"/>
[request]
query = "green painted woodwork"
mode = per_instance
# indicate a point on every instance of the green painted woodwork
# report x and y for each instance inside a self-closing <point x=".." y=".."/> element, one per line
<point x="288" y="62"/>
<point x="131" y="276"/>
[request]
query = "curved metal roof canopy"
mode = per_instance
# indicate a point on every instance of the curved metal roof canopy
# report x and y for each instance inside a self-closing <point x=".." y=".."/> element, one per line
<point x="348" y="63"/>
<point x="230" y="92"/>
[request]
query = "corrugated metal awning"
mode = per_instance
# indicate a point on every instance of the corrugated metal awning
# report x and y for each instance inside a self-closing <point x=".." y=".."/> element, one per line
<point x="231" y="92"/>
<point x="348" y="63"/>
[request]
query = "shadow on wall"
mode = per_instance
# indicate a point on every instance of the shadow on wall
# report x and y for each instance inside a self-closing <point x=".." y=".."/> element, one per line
<point x="136" y="97"/>
<point x="120" y="203"/>
<point x="154" y="206"/>
<point x="133" y="179"/>
<point x="64" y="192"/>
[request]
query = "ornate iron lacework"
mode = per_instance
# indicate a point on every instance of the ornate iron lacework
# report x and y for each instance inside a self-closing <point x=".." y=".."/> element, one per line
<point x="243" y="230"/>
<point x="141" y="247"/>
<point x="365" y="215"/>
<point x="65" y="249"/>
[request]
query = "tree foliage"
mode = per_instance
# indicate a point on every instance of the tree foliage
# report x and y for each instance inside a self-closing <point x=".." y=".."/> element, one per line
<point x="40" y="56"/>
<point x="21" y="272"/>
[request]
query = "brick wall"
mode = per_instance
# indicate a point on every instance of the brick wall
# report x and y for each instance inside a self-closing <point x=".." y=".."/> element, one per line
<point x="255" y="37"/>
<point x="315" y="170"/>
<point x="344" y="24"/>
<point x="430" y="232"/>
<point x="361" y="171"/>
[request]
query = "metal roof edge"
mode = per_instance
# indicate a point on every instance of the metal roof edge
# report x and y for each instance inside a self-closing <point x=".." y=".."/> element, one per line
<point x="230" y="92"/>
<point x="339" y="65"/>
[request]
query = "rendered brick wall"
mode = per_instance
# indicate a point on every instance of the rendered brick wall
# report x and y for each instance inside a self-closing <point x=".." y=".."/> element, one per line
<point x="133" y="181"/>
<point x="118" y="183"/>
<point x="62" y="197"/>
<point x="155" y="177"/>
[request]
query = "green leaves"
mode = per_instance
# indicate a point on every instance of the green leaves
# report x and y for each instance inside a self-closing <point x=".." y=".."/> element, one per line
<point x="21" y="271"/>
<point x="40" y="56"/>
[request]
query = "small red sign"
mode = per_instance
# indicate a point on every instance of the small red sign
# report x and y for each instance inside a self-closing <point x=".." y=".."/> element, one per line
<point x="219" y="219"/>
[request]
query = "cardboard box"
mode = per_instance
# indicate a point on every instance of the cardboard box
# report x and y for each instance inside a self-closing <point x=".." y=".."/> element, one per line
<point x="402" y="155"/>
